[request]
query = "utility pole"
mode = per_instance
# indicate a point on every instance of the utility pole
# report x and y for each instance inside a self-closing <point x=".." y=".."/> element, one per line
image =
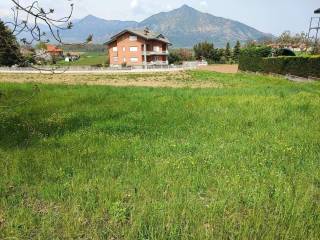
<point x="314" y="28"/>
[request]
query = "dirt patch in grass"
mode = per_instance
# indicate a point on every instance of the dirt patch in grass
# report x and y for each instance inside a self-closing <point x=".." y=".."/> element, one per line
<point x="221" y="68"/>
<point x="171" y="79"/>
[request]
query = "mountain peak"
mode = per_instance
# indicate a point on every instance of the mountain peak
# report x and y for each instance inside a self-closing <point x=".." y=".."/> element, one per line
<point x="89" y="17"/>
<point x="186" y="7"/>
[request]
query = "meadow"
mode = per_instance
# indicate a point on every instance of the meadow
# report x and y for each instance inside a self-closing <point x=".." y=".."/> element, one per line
<point x="236" y="159"/>
<point x="87" y="59"/>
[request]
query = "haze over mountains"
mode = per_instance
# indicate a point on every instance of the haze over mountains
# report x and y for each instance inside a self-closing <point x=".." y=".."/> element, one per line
<point x="184" y="27"/>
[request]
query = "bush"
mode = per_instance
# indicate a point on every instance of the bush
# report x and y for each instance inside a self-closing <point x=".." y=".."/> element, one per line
<point x="258" y="60"/>
<point x="284" y="52"/>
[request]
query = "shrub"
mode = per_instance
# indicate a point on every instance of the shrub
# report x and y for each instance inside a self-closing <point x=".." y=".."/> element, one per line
<point x="284" y="52"/>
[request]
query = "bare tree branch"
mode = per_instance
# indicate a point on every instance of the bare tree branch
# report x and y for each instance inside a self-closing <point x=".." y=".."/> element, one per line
<point x="29" y="19"/>
<point x="41" y="25"/>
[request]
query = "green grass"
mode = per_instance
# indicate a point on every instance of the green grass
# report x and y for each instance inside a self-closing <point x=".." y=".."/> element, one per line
<point x="88" y="59"/>
<point x="98" y="162"/>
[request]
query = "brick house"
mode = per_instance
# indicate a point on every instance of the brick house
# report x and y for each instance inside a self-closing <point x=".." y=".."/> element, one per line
<point x="138" y="48"/>
<point x="54" y="51"/>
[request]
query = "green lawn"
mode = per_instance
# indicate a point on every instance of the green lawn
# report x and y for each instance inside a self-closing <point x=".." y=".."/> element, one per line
<point x="88" y="59"/>
<point x="95" y="162"/>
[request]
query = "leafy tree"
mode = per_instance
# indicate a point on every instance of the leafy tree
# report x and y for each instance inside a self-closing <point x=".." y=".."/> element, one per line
<point x="228" y="53"/>
<point x="9" y="48"/>
<point x="177" y="56"/>
<point x="236" y="52"/>
<point x="174" y="58"/>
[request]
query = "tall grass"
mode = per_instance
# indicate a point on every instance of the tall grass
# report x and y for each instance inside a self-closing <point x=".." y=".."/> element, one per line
<point x="94" y="162"/>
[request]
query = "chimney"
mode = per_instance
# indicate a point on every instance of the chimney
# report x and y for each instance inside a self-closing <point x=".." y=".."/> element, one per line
<point x="146" y="31"/>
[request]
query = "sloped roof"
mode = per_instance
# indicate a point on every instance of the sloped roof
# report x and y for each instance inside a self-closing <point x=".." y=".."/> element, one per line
<point x="52" y="48"/>
<point x="317" y="11"/>
<point x="149" y="35"/>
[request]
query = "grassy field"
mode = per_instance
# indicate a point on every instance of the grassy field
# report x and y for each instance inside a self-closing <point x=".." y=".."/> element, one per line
<point x="238" y="161"/>
<point x="88" y="59"/>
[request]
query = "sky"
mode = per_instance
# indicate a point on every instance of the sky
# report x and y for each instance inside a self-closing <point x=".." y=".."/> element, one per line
<point x="270" y="16"/>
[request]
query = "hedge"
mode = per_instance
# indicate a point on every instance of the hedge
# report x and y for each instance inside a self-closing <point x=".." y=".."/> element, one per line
<point x="252" y="60"/>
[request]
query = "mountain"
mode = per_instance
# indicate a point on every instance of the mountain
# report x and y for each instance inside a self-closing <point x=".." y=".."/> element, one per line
<point x="187" y="26"/>
<point x="101" y="29"/>
<point x="184" y="27"/>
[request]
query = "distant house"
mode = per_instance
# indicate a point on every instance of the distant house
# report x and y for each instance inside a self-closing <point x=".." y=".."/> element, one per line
<point x="26" y="50"/>
<point x="138" y="48"/>
<point x="299" y="47"/>
<point x="54" y="51"/>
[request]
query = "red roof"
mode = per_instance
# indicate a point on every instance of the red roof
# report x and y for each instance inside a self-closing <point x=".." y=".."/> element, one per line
<point x="52" y="48"/>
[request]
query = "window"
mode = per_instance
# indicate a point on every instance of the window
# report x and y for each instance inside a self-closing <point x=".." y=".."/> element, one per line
<point x="133" y="49"/>
<point x="133" y="38"/>
<point x="124" y="49"/>
<point x="115" y="49"/>
<point x="134" y="59"/>
<point x="115" y="59"/>
<point x="124" y="60"/>
<point x="156" y="48"/>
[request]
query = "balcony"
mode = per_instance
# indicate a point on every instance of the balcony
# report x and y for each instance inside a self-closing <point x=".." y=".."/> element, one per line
<point x="161" y="53"/>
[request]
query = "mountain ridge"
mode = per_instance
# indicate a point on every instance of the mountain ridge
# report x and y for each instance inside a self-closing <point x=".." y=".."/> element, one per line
<point x="184" y="26"/>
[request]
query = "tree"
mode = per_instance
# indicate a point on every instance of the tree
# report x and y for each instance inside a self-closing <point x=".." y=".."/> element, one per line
<point x="177" y="56"/>
<point x="41" y="45"/>
<point x="236" y="52"/>
<point x="228" y="53"/>
<point x="9" y="48"/>
<point x="204" y="50"/>
<point x="221" y="55"/>
<point x="174" y="58"/>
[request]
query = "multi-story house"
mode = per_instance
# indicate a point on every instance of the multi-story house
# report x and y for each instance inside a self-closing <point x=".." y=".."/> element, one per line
<point x="138" y="48"/>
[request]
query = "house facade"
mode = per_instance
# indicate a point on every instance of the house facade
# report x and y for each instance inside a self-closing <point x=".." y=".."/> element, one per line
<point x="138" y="48"/>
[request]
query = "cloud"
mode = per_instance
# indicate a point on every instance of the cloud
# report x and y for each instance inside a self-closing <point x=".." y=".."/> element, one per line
<point x="138" y="9"/>
<point x="168" y="7"/>
<point x="4" y="12"/>
<point x="134" y="3"/>
<point x="203" y="3"/>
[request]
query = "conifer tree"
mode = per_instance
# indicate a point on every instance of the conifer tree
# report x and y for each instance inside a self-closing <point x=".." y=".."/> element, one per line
<point x="228" y="52"/>
<point x="236" y="52"/>
<point x="9" y="48"/>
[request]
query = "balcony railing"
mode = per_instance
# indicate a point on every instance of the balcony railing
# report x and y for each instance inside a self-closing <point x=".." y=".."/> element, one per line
<point x="148" y="53"/>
